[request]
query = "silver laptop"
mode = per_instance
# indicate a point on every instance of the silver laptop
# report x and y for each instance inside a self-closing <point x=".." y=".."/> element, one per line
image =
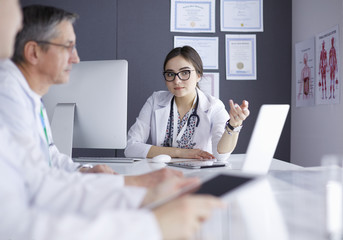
<point x="265" y="137"/>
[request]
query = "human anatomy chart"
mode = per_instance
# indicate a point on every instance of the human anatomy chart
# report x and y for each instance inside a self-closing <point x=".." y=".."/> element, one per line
<point x="305" y="77"/>
<point x="327" y="63"/>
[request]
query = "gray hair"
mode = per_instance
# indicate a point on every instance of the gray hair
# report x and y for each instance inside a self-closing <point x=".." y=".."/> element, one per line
<point x="39" y="24"/>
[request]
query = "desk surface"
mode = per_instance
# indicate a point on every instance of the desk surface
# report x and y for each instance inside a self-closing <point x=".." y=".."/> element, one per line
<point x="234" y="163"/>
<point x="289" y="203"/>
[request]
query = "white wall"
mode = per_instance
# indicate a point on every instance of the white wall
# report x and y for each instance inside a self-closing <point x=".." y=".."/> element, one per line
<point x="315" y="131"/>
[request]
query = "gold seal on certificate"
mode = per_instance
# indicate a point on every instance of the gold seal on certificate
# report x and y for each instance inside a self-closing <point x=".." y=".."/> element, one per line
<point x="240" y="65"/>
<point x="193" y="24"/>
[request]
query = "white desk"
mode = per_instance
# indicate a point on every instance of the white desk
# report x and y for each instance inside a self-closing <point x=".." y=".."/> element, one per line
<point x="235" y="162"/>
<point x="289" y="203"/>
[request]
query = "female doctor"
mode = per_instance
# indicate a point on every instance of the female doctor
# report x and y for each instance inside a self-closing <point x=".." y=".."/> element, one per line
<point x="185" y="122"/>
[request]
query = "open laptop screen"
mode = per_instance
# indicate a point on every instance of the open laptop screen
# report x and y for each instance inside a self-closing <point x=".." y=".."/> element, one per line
<point x="265" y="137"/>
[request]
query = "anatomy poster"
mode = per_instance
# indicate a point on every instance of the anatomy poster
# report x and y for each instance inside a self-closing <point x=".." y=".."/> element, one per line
<point x="327" y="67"/>
<point x="304" y="70"/>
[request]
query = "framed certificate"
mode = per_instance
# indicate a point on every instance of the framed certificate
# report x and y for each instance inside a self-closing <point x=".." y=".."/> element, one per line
<point x="240" y="57"/>
<point x="192" y="16"/>
<point x="241" y="16"/>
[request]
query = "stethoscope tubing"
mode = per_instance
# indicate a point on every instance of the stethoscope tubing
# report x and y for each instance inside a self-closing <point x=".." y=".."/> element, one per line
<point x="194" y="114"/>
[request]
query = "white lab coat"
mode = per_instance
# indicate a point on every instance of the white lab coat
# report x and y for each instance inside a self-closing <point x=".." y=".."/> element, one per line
<point x="42" y="202"/>
<point x="153" y="119"/>
<point x="20" y="111"/>
<point x="39" y="202"/>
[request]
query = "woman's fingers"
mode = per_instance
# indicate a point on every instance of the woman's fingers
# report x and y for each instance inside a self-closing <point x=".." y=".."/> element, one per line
<point x="238" y="113"/>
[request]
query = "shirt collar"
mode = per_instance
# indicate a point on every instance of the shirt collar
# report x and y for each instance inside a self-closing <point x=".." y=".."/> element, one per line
<point x="17" y="74"/>
<point x="166" y="100"/>
<point x="204" y="103"/>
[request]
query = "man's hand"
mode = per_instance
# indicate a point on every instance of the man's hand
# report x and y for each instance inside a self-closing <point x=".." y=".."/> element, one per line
<point x="168" y="188"/>
<point x="152" y="179"/>
<point x="98" y="169"/>
<point x="182" y="217"/>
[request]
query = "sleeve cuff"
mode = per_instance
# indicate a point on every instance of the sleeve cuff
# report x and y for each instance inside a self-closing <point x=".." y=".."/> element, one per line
<point x="223" y="157"/>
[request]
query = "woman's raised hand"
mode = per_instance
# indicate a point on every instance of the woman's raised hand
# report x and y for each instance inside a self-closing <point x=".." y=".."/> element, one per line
<point x="238" y="113"/>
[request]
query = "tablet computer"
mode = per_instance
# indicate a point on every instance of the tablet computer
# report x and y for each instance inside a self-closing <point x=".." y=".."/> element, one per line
<point x="218" y="186"/>
<point x="222" y="184"/>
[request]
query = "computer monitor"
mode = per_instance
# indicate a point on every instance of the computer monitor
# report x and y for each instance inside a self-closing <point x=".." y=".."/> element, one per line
<point x="97" y="94"/>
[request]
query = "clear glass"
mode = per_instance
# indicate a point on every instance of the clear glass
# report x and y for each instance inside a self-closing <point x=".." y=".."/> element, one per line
<point x="332" y="166"/>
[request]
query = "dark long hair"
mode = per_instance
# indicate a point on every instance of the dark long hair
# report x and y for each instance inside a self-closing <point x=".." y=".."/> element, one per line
<point x="189" y="54"/>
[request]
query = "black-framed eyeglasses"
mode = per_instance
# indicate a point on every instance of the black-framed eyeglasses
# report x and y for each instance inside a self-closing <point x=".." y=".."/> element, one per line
<point x="70" y="48"/>
<point x="183" y="75"/>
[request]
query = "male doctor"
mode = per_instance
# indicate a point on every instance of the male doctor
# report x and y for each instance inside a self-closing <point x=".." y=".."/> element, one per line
<point x="41" y="202"/>
<point x="44" y="54"/>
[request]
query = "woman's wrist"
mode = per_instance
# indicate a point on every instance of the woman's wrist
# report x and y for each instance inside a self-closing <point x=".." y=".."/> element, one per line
<point x="229" y="131"/>
<point x="178" y="152"/>
<point x="232" y="128"/>
<point x="233" y="123"/>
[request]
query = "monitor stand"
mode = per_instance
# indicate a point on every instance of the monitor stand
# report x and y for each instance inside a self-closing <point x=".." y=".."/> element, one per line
<point x="62" y="127"/>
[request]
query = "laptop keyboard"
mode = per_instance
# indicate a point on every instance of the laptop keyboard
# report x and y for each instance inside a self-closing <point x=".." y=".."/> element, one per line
<point x="194" y="163"/>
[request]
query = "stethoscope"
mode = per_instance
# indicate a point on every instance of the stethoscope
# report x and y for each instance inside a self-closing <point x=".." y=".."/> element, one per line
<point x="173" y="139"/>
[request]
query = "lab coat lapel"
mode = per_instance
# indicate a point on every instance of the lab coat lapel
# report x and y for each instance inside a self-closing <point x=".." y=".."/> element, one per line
<point x="161" y="118"/>
<point x="203" y="129"/>
<point x="204" y="104"/>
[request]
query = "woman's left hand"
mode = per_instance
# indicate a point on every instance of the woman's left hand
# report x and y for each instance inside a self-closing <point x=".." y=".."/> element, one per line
<point x="238" y="113"/>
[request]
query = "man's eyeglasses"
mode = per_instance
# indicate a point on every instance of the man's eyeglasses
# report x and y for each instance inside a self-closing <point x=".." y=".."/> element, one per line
<point x="183" y="75"/>
<point x="70" y="48"/>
